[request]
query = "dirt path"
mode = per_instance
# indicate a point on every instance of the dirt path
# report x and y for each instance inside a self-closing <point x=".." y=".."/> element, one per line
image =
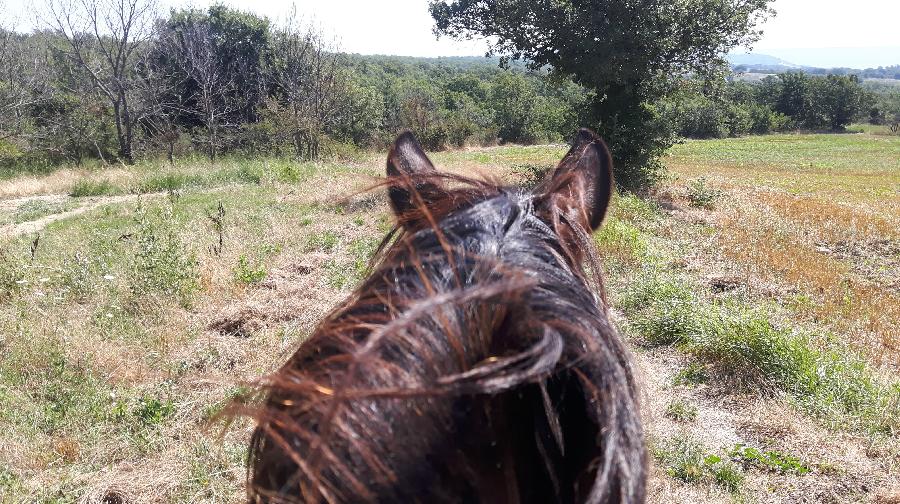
<point x="85" y="205"/>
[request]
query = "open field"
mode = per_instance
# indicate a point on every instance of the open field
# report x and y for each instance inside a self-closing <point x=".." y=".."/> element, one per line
<point x="759" y="286"/>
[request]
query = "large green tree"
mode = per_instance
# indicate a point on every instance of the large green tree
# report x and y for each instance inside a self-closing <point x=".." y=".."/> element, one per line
<point x="627" y="51"/>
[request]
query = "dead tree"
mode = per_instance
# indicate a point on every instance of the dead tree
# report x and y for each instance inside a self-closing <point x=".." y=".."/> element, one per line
<point x="158" y="88"/>
<point x="22" y="78"/>
<point x="215" y="98"/>
<point x="104" y="38"/>
<point x="308" y="79"/>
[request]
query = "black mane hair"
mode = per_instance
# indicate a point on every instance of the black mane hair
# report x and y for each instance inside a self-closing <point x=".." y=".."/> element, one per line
<point x="475" y="364"/>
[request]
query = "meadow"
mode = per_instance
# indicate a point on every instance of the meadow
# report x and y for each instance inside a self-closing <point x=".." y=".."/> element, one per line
<point x="759" y="287"/>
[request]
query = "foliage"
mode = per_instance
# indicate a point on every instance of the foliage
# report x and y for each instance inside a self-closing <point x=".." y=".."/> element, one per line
<point x="686" y="460"/>
<point x="160" y="266"/>
<point x="576" y="40"/>
<point x="769" y="460"/>
<point x="246" y="273"/>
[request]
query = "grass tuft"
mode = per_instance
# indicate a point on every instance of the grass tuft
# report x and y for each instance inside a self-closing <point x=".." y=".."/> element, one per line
<point x="685" y="460"/>
<point x="85" y="188"/>
<point x="825" y="378"/>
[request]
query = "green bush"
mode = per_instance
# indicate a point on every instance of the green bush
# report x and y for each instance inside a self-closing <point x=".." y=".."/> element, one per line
<point x="160" y="264"/>
<point x="83" y="188"/>
<point x="246" y="273"/>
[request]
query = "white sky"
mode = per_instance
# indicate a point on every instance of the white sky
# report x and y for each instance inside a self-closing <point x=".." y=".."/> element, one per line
<point x="404" y="27"/>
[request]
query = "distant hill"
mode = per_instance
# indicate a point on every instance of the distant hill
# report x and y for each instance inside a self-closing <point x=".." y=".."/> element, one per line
<point x="762" y="64"/>
<point x="758" y="60"/>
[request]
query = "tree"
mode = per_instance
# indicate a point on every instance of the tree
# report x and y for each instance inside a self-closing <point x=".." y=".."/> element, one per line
<point x="192" y="49"/>
<point x="104" y="38"/>
<point x="23" y="78"/>
<point x="627" y="51"/>
<point x="307" y="77"/>
<point x="841" y="99"/>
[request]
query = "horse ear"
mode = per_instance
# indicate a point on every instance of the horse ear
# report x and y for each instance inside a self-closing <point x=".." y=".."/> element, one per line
<point x="408" y="169"/>
<point x="582" y="184"/>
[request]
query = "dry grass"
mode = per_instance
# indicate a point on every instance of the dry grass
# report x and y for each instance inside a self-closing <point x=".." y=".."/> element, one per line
<point x="146" y="376"/>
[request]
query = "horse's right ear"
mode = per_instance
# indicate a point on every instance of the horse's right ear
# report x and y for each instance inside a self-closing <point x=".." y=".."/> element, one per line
<point x="581" y="187"/>
<point x="408" y="170"/>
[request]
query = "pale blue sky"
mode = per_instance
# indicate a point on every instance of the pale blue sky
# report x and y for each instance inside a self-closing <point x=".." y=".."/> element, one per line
<point x="798" y="33"/>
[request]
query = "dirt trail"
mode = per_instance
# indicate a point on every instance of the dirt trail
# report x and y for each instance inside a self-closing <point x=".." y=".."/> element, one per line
<point x="86" y="204"/>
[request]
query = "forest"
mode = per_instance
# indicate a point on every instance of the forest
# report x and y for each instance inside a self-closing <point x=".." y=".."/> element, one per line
<point x="117" y="85"/>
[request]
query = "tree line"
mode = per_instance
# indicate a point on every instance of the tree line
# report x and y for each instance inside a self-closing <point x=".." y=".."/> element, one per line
<point x="115" y="80"/>
<point x="783" y="102"/>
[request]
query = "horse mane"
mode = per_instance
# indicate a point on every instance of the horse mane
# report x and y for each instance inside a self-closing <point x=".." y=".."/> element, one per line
<point x="475" y="363"/>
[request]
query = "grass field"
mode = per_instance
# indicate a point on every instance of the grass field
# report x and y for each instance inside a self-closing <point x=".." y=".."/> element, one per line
<point x="759" y="287"/>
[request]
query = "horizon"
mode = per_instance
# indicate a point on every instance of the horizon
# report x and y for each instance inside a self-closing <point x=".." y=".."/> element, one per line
<point x="802" y="32"/>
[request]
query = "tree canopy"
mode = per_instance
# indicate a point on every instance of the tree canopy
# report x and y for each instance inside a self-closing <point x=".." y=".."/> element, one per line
<point x="628" y="52"/>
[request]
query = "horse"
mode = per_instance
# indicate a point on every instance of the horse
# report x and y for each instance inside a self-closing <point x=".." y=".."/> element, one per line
<point x="476" y="363"/>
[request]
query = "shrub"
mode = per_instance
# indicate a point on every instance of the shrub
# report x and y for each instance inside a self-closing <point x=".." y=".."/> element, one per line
<point x="245" y="273"/>
<point x="701" y="195"/>
<point x="83" y="188"/>
<point x="160" y="264"/>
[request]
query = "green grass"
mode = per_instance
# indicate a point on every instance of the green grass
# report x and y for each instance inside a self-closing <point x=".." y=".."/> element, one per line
<point x="667" y="308"/>
<point x="771" y="460"/>
<point x="687" y="461"/>
<point x="795" y="152"/>
<point x="681" y="411"/>
<point x="83" y="188"/>
<point x="822" y="375"/>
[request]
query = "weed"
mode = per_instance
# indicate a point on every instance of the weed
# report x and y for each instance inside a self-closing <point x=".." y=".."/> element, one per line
<point x="686" y="460"/>
<point x="681" y="411"/>
<point x="12" y="276"/>
<point x="293" y="173"/>
<point x="160" y="265"/>
<point x="77" y="277"/>
<point x="693" y="374"/>
<point x="769" y="460"/>
<point x="84" y="188"/>
<point x="152" y="412"/>
<point x="246" y="273"/>
<point x="322" y="242"/>
<point x="701" y="195"/>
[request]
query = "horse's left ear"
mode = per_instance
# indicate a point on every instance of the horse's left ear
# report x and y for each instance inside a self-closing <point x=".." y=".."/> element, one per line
<point x="408" y="169"/>
<point x="582" y="185"/>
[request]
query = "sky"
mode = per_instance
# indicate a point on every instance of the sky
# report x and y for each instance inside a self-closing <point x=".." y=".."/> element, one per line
<point x="806" y="32"/>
